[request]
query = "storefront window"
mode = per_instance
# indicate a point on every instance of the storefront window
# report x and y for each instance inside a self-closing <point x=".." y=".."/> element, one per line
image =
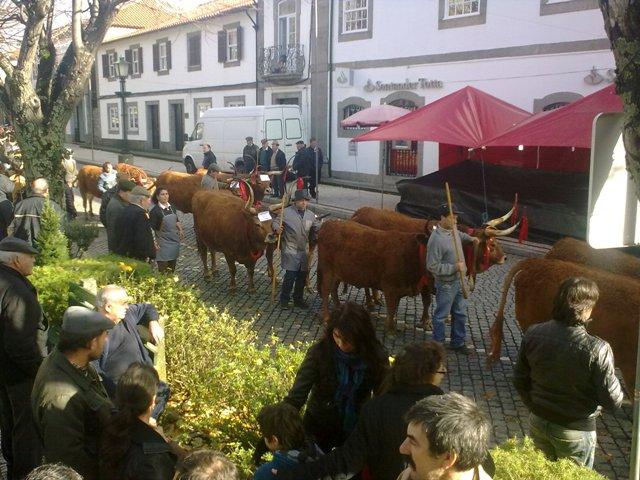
<point x="402" y="155"/>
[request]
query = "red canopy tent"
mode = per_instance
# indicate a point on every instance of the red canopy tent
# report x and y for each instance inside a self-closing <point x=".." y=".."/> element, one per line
<point x="467" y="117"/>
<point x="568" y="126"/>
<point x="374" y="116"/>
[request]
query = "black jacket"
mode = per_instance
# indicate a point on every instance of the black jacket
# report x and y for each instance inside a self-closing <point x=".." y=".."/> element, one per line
<point x="250" y="157"/>
<point x="374" y="442"/>
<point x="133" y="237"/>
<point x="22" y="328"/>
<point x="27" y="213"/>
<point x="317" y="380"/>
<point x="564" y="374"/>
<point x="208" y="159"/>
<point x="312" y="155"/>
<point x="106" y="196"/>
<point x="149" y="457"/>
<point x="281" y="160"/>
<point x="302" y="163"/>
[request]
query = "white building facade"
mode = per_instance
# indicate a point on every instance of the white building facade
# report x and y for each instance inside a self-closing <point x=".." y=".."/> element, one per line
<point x="535" y="54"/>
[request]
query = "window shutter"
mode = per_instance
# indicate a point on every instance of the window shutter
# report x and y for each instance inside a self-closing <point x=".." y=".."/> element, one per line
<point x="105" y="65"/>
<point x="140" y="59"/>
<point x="239" y="33"/>
<point x="168" y="55"/>
<point x="222" y="46"/>
<point x="155" y="57"/>
<point x="197" y="59"/>
<point x="127" y="57"/>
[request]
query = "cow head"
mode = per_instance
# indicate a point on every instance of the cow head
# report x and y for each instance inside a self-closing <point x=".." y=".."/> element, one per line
<point x="258" y="233"/>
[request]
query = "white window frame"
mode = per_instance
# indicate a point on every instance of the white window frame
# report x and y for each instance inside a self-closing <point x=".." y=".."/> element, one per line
<point x="290" y="21"/>
<point x="132" y="114"/>
<point x="162" y="57"/>
<point x="460" y="15"/>
<point x="112" y="64"/>
<point x="201" y="110"/>
<point x="364" y="7"/>
<point x="232" y="48"/>
<point x="135" y="61"/>
<point x="114" y="117"/>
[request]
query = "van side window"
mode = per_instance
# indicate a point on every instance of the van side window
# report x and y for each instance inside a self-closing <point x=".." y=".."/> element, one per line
<point x="293" y="128"/>
<point x="273" y="129"/>
<point x="197" y="132"/>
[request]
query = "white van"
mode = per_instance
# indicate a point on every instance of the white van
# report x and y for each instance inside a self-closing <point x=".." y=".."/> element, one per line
<point x="225" y="129"/>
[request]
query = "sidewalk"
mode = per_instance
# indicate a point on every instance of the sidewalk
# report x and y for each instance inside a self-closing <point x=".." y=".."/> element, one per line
<point x="339" y="201"/>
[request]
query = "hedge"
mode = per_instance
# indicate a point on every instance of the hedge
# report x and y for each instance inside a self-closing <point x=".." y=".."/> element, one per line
<point x="221" y="374"/>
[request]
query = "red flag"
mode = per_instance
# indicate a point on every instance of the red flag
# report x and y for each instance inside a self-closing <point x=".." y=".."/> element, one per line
<point x="300" y="183"/>
<point x="524" y="227"/>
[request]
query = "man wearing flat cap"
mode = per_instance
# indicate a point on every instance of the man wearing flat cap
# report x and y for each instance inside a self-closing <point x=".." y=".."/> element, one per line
<point x="297" y="225"/>
<point x="70" y="405"/>
<point x="443" y="264"/>
<point x="109" y="194"/>
<point x="22" y="348"/>
<point x="116" y="205"/>
<point x="133" y="235"/>
<point x="250" y="155"/>
<point x="28" y="212"/>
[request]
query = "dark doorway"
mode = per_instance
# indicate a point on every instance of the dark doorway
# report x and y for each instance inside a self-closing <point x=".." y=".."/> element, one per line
<point x="154" y="126"/>
<point x="76" y="133"/>
<point x="178" y="125"/>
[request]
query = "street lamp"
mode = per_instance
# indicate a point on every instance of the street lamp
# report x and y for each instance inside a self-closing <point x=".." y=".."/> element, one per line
<point x="122" y="72"/>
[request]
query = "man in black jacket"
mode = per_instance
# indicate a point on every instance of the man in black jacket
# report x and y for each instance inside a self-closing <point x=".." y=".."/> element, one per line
<point x="22" y="348"/>
<point x="317" y="160"/>
<point x="278" y="162"/>
<point x="209" y="158"/>
<point x="133" y="236"/>
<point x="415" y="374"/>
<point x="250" y="155"/>
<point x="302" y="164"/>
<point x="26" y="222"/>
<point x="565" y="375"/>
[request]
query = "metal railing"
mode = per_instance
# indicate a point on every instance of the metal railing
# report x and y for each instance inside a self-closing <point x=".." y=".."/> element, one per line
<point x="282" y="61"/>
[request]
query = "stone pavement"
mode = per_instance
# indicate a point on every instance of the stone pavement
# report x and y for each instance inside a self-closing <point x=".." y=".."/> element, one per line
<point x="491" y="387"/>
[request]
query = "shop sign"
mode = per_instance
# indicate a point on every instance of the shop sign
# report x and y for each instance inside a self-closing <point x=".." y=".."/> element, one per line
<point x="372" y="86"/>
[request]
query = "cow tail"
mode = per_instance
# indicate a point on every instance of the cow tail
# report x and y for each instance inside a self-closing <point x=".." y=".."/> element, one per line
<point x="496" y="330"/>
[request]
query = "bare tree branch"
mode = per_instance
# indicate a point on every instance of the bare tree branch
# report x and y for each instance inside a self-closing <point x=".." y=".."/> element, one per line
<point x="37" y="14"/>
<point x="5" y="65"/>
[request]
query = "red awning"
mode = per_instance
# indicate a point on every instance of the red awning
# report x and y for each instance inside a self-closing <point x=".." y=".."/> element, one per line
<point x="374" y="116"/>
<point x="568" y="126"/>
<point x="467" y="118"/>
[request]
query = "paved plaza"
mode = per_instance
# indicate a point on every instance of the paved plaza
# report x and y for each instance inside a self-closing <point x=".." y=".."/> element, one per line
<point x="491" y="387"/>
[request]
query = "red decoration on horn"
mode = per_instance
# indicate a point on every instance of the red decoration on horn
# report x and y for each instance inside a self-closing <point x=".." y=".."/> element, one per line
<point x="524" y="227"/>
<point x="244" y="194"/>
<point x="300" y="183"/>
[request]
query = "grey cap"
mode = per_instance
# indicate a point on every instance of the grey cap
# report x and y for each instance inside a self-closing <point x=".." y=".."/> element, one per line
<point x="301" y="195"/>
<point x="82" y="321"/>
<point x="126" y="185"/>
<point x="14" y="244"/>
<point x="138" y="190"/>
<point x="443" y="209"/>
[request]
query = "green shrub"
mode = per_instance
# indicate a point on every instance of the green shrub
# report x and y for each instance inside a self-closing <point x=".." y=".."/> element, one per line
<point x="517" y="458"/>
<point x="81" y="235"/>
<point x="50" y="240"/>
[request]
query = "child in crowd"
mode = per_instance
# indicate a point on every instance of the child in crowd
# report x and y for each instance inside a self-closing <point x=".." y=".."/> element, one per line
<point x="281" y="427"/>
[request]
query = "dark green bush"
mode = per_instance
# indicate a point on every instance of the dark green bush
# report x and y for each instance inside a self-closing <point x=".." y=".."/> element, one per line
<point x="50" y="240"/>
<point x="81" y="235"/>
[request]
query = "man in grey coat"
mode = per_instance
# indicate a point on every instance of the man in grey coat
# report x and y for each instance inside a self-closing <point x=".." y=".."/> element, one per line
<point x="297" y="225"/>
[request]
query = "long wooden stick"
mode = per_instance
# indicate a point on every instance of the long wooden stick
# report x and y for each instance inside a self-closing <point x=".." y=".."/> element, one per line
<point x="454" y="237"/>
<point x="284" y="199"/>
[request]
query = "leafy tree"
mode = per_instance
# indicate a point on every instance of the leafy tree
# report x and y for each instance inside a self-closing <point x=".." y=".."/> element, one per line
<point x="41" y="109"/>
<point x="51" y="242"/>
<point x="622" y="23"/>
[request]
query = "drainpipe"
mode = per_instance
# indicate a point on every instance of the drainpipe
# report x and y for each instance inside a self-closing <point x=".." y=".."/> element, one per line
<point x="254" y="23"/>
<point x="330" y="95"/>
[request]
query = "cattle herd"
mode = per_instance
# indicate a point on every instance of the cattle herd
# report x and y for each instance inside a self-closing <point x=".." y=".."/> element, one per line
<point x="381" y="250"/>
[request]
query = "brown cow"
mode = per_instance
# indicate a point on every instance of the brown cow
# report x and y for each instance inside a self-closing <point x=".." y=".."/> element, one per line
<point x="488" y="253"/>
<point x="227" y="224"/>
<point x="365" y="257"/>
<point x="611" y="260"/>
<point x="616" y="313"/>
<point x="88" y="181"/>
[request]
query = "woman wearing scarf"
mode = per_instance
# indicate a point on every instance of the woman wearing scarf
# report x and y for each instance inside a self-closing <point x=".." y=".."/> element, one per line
<point x="338" y="375"/>
<point x="167" y="230"/>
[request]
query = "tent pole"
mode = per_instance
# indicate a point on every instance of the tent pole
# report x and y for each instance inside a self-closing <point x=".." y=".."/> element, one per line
<point x="384" y="154"/>
<point x="538" y="158"/>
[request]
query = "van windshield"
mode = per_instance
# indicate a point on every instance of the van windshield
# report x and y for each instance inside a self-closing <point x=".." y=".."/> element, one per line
<point x="197" y="132"/>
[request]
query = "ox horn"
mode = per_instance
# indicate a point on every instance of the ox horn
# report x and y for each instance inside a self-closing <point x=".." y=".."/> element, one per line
<point x="249" y="203"/>
<point x="494" y="232"/>
<point x="497" y="221"/>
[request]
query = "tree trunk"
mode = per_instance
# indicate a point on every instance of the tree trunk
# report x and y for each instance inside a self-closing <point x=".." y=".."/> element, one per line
<point x="622" y="24"/>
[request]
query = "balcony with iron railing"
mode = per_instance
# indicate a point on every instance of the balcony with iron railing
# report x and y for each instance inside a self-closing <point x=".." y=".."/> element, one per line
<point x="282" y="63"/>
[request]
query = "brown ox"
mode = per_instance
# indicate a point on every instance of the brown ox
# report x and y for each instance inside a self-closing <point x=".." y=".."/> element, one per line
<point x="182" y="186"/>
<point x="616" y="313"/>
<point x="227" y="224"/>
<point x="577" y="251"/>
<point x="366" y="257"/>
<point x="488" y="253"/>
<point x="88" y="181"/>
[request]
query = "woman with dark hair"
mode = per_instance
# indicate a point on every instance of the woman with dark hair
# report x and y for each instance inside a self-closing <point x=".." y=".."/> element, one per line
<point x="168" y="230"/>
<point x="338" y="375"/>
<point x="132" y="448"/>
<point x="415" y="374"/>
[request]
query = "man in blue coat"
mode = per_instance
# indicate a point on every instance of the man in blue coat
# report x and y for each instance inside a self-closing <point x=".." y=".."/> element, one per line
<point x="297" y="225"/>
<point x="124" y="345"/>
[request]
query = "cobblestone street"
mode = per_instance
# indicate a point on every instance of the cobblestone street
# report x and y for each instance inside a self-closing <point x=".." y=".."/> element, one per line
<point x="491" y="387"/>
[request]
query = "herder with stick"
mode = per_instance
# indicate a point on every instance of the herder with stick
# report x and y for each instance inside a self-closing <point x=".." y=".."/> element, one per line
<point x="446" y="262"/>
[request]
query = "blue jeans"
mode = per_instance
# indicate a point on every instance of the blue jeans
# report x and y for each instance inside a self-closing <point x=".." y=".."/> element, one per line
<point x="556" y="441"/>
<point x="162" y="397"/>
<point x="449" y="300"/>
